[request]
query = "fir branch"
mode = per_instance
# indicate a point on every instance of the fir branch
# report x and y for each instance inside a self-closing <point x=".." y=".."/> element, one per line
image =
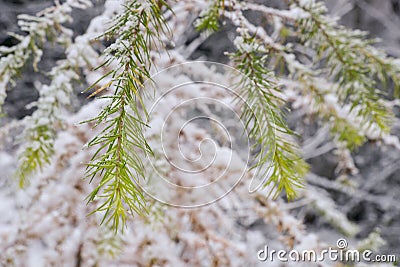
<point x="342" y="129"/>
<point x="39" y="135"/>
<point x="373" y="113"/>
<point x="209" y="19"/>
<point x="345" y="126"/>
<point x="46" y="26"/>
<point x="344" y="51"/>
<point x="117" y="161"/>
<point x="278" y="160"/>
<point x="41" y="127"/>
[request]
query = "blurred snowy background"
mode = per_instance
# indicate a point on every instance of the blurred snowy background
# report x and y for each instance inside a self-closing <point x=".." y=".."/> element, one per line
<point x="369" y="199"/>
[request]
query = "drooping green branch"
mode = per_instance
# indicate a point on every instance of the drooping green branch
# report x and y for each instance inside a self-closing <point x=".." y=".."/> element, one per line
<point x="278" y="161"/>
<point x="121" y="145"/>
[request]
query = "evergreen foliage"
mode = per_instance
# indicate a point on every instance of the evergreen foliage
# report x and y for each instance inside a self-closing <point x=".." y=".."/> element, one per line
<point x="340" y="84"/>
